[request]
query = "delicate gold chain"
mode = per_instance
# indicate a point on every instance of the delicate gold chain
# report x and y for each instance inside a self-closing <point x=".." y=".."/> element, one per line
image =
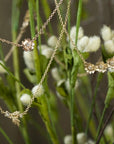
<point x="90" y="68"/>
<point x="16" y="115"/>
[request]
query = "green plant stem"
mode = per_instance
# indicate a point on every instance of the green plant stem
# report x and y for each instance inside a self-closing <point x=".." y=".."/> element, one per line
<point x="99" y="78"/>
<point x="32" y="28"/>
<point x="78" y="19"/>
<point x="51" y="133"/>
<point x="5" y="135"/>
<point x="15" y="22"/>
<point x="101" y="122"/>
<point x="38" y="22"/>
<point x="72" y="100"/>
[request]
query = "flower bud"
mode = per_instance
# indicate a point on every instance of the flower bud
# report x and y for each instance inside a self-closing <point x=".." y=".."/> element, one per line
<point x="25" y="99"/>
<point x="43" y="46"/>
<point x="82" y="43"/>
<point x="52" y="41"/>
<point x="73" y="35"/>
<point x="106" y="33"/>
<point x="109" y="131"/>
<point x="93" y="44"/>
<point x="38" y="90"/>
<point x="109" y="46"/>
<point x="68" y="139"/>
<point x="55" y="74"/>
<point x="2" y="70"/>
<point x="47" y="52"/>
<point x="28" y="59"/>
<point x="81" y="138"/>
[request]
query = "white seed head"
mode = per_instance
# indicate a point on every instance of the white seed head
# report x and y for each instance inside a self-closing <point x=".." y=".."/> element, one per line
<point x="109" y="131"/>
<point x="73" y="35"/>
<point x="47" y="52"/>
<point x="93" y="44"/>
<point x="2" y="70"/>
<point x="28" y="59"/>
<point x="106" y="33"/>
<point x="52" y="41"/>
<point x="55" y="74"/>
<point x="109" y="46"/>
<point x="81" y="138"/>
<point x="38" y="90"/>
<point x="25" y="99"/>
<point x="82" y="43"/>
<point x="68" y="139"/>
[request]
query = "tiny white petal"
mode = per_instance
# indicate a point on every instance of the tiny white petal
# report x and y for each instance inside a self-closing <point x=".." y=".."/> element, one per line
<point x="47" y="52"/>
<point x="93" y="44"/>
<point x="38" y="90"/>
<point x="109" y="46"/>
<point x="2" y="70"/>
<point x="28" y="59"/>
<point x="106" y="33"/>
<point x="52" y="41"/>
<point x="68" y="139"/>
<point x="90" y="142"/>
<point x="25" y="99"/>
<point x="81" y="138"/>
<point x="60" y="96"/>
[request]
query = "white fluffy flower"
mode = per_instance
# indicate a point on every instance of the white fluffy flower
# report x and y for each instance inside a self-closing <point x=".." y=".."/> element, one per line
<point x="106" y="33"/>
<point x="38" y="90"/>
<point x="93" y="44"/>
<point x="55" y="74"/>
<point x="81" y="138"/>
<point x="25" y="99"/>
<point x="2" y="70"/>
<point x="68" y="139"/>
<point x="47" y="52"/>
<point x="73" y="35"/>
<point x="52" y="41"/>
<point x="82" y="43"/>
<point x="109" y="131"/>
<point x="109" y="46"/>
<point x="28" y="59"/>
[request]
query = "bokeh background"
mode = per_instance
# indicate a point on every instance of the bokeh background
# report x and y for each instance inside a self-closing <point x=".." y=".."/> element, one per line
<point x="100" y="12"/>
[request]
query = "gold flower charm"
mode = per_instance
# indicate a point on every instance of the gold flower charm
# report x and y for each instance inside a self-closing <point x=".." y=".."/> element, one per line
<point x="90" y="68"/>
<point x="28" y="45"/>
<point x="14" y="117"/>
<point x="110" y="62"/>
<point x="101" y="67"/>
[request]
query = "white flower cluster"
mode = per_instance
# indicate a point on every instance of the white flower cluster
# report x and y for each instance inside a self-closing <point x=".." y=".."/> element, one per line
<point x="85" y="43"/>
<point x="2" y="70"/>
<point x="108" y="37"/>
<point x="81" y="139"/>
